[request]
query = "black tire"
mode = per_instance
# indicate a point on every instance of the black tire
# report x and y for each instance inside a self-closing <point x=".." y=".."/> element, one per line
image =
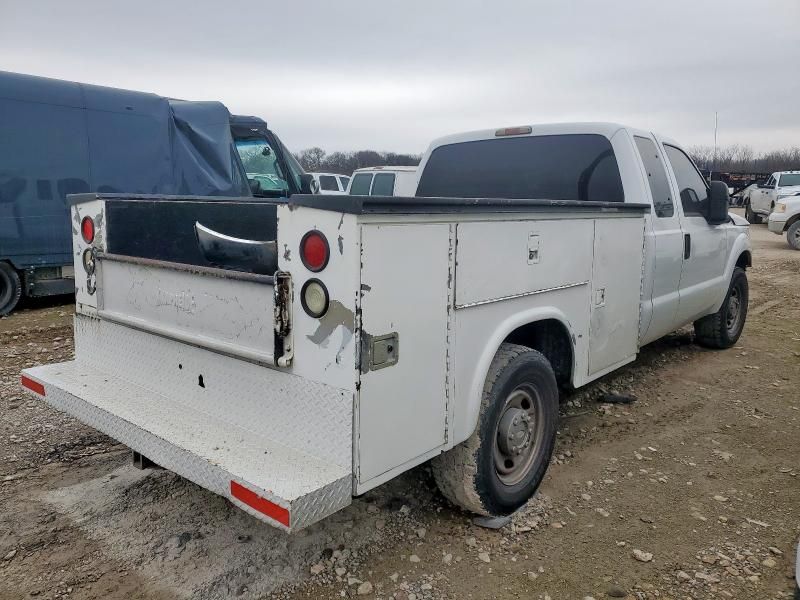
<point x="468" y="474"/>
<point x="793" y="235"/>
<point x="750" y="215"/>
<point x="723" y="328"/>
<point x="10" y="288"/>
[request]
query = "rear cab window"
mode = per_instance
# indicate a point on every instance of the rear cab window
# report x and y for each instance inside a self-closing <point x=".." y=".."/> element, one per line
<point x="344" y="181"/>
<point x="548" y="167"/>
<point x="361" y="184"/>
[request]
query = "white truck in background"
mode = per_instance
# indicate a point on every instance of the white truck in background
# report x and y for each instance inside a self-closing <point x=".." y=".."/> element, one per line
<point x="785" y="218"/>
<point x="383" y="181"/>
<point x="762" y="198"/>
<point x="370" y="334"/>
<point x="331" y="183"/>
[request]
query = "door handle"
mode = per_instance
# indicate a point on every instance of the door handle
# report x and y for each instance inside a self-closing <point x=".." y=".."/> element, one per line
<point x="687" y="246"/>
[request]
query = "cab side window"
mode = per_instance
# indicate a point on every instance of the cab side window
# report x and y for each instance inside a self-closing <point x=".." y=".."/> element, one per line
<point x="656" y="177"/>
<point x="692" y="186"/>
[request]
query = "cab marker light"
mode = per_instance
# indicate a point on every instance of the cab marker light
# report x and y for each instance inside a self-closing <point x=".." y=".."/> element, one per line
<point x="513" y="131"/>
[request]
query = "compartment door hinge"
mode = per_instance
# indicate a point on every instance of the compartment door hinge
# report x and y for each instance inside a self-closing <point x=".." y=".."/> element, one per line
<point x="283" y="319"/>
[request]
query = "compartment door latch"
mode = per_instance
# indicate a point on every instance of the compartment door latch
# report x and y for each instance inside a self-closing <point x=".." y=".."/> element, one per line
<point x="380" y="351"/>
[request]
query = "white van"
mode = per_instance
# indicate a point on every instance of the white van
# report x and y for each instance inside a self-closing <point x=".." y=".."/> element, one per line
<point x="331" y="183"/>
<point x="384" y="181"/>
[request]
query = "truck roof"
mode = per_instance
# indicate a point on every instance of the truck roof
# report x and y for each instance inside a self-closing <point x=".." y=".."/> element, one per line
<point x="601" y="128"/>
<point x="386" y="168"/>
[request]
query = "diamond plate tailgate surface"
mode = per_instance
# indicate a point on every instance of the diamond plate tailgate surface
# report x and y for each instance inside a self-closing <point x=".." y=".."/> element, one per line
<point x="277" y="484"/>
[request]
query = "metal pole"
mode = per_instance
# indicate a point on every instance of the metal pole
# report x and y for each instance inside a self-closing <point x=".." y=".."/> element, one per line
<point x="714" y="160"/>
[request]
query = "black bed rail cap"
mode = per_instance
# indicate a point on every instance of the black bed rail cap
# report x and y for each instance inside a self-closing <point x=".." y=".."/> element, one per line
<point x="360" y="205"/>
<point x="73" y="199"/>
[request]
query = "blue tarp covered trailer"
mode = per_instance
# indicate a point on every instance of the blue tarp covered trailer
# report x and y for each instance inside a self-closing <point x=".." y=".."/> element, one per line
<point x="59" y="138"/>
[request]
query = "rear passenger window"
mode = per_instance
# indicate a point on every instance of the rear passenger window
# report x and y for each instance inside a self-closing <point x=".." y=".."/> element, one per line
<point x="344" y="181"/>
<point x="360" y="184"/>
<point x="383" y="184"/>
<point x="656" y="177"/>
<point x="327" y="183"/>
<point x="551" y="167"/>
<point x="692" y="186"/>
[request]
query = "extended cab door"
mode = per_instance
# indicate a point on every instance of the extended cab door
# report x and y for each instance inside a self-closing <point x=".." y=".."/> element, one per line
<point x="762" y="197"/>
<point x="704" y="245"/>
<point x="667" y="242"/>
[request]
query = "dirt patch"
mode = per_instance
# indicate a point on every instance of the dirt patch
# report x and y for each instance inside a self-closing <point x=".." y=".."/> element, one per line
<point x="691" y="491"/>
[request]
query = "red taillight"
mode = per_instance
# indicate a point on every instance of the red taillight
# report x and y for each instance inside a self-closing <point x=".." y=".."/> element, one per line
<point x="314" y="251"/>
<point x="87" y="230"/>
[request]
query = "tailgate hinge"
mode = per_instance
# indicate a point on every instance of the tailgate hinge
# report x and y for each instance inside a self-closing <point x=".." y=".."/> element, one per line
<point x="283" y="319"/>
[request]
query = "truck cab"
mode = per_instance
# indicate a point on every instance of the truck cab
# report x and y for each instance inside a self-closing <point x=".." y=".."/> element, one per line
<point x="272" y="171"/>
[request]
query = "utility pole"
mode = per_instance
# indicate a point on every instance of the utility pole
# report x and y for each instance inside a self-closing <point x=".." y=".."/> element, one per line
<point x="714" y="160"/>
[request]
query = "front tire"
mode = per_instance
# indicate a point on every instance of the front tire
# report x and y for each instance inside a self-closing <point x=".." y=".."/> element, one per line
<point x="793" y="235"/>
<point x="722" y="329"/>
<point x="500" y="466"/>
<point x="10" y="288"/>
<point x="750" y="215"/>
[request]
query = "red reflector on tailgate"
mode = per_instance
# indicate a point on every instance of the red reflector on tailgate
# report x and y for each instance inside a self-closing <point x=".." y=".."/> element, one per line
<point x="262" y="505"/>
<point x="32" y="385"/>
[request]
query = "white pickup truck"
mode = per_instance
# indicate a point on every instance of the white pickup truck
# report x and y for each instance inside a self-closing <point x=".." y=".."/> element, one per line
<point x="760" y="200"/>
<point x="291" y="355"/>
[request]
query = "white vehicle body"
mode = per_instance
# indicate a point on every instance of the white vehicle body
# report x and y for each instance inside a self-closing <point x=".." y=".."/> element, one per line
<point x="331" y="183"/>
<point x="384" y="181"/>
<point x="785" y="219"/>
<point x="226" y="378"/>
<point x="779" y="185"/>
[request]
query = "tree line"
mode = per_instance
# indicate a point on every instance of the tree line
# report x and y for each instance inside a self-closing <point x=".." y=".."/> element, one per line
<point x="316" y="160"/>
<point x="741" y="158"/>
<point x="732" y="158"/>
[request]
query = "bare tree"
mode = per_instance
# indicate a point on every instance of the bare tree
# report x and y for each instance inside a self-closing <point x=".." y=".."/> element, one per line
<point x="316" y="160"/>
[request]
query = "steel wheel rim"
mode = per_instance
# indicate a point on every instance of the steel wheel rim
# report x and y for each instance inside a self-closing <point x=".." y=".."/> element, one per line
<point x="734" y="310"/>
<point x="517" y="435"/>
<point x="797" y="235"/>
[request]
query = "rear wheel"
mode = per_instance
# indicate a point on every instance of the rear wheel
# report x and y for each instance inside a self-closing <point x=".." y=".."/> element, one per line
<point x="500" y="466"/>
<point x="10" y="288"/>
<point x="793" y="235"/>
<point x="723" y="328"/>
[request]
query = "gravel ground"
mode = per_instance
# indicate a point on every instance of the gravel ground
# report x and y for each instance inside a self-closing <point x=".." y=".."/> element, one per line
<point x="692" y="491"/>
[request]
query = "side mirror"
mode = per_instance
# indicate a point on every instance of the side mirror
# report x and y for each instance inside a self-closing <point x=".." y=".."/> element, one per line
<point x="308" y="185"/>
<point x="718" y="200"/>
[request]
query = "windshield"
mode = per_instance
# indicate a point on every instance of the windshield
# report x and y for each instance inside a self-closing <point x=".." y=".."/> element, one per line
<point x="789" y="179"/>
<point x="261" y="164"/>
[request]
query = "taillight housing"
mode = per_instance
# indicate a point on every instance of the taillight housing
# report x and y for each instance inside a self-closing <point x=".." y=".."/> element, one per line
<point x="314" y="298"/>
<point x="87" y="229"/>
<point x="315" y="251"/>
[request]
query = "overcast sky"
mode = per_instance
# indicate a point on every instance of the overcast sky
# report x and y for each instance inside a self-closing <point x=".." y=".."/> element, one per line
<point x="348" y="75"/>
